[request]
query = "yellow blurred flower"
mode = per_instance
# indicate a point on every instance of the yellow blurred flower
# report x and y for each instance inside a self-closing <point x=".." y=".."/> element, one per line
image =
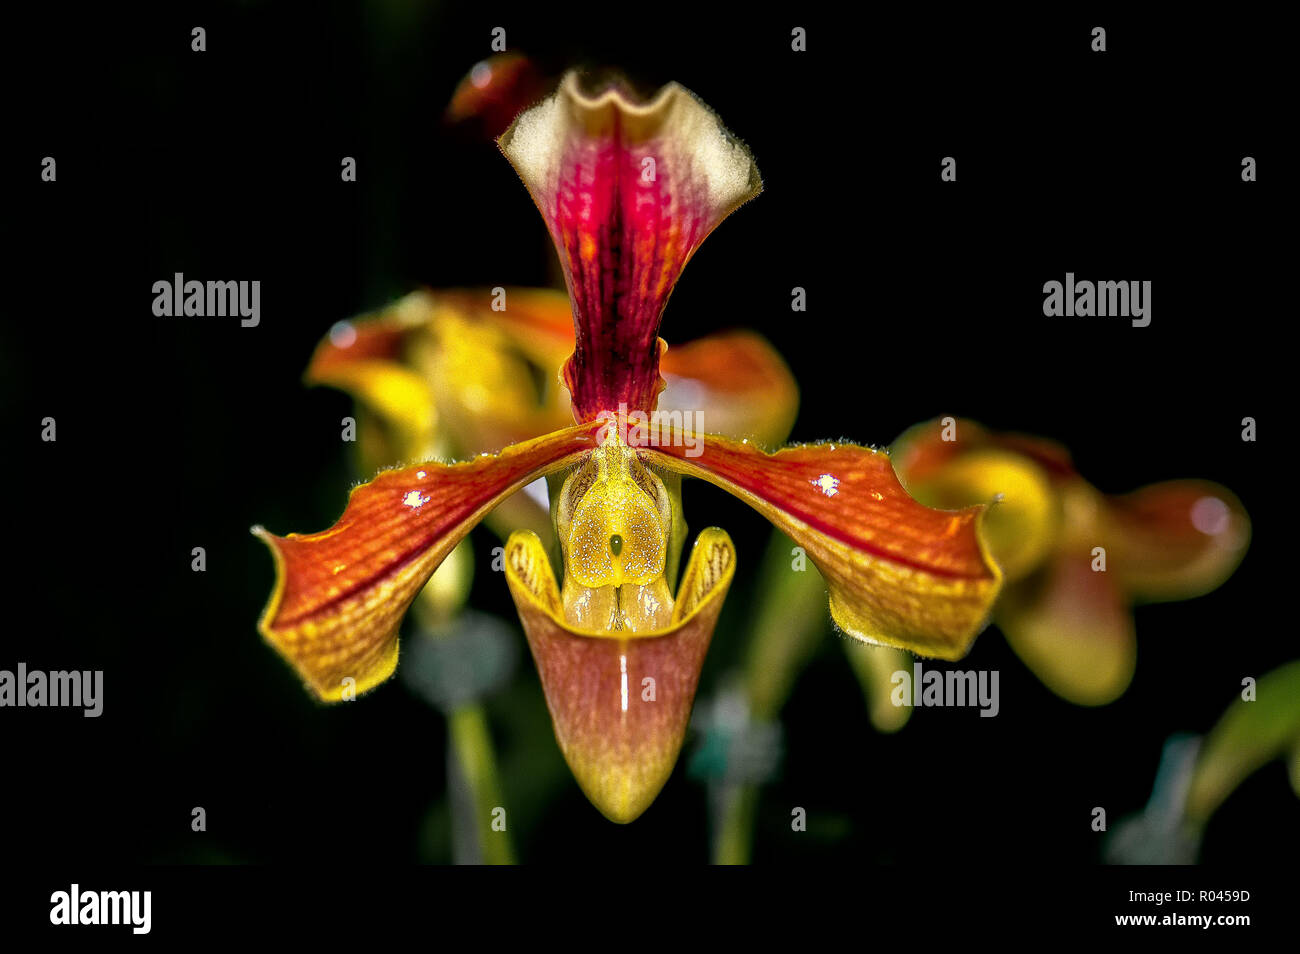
<point x="1075" y="560"/>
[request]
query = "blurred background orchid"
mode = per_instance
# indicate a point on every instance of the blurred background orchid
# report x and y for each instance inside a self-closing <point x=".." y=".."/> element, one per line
<point x="1075" y="559"/>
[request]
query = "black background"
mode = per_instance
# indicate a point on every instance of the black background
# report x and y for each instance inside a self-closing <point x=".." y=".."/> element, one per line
<point x="924" y="299"/>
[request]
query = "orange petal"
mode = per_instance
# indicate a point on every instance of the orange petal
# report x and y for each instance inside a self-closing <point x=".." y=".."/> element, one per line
<point x="1174" y="540"/>
<point x="620" y="702"/>
<point x="628" y="190"/>
<point x="737" y="382"/>
<point x="1073" y="627"/>
<point x="900" y="574"/>
<point x="340" y="594"/>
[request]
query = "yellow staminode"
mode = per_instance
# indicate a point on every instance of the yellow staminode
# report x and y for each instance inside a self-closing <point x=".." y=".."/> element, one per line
<point x="614" y="519"/>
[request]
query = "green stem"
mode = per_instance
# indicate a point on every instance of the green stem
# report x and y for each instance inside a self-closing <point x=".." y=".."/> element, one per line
<point x="788" y="627"/>
<point x="471" y="744"/>
<point x="733" y="842"/>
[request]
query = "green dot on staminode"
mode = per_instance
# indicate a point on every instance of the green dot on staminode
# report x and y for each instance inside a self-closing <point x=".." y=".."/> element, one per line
<point x="616" y="544"/>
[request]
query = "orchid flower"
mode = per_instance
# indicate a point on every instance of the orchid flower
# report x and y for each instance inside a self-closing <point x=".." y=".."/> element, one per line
<point x="1075" y="559"/>
<point x="628" y="191"/>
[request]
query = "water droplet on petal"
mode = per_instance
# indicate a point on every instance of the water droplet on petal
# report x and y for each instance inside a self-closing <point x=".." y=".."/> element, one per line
<point x="827" y="484"/>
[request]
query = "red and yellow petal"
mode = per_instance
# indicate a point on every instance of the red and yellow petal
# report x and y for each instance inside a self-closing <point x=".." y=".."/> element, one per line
<point x="620" y="702"/>
<point x="628" y="190"/>
<point x="736" y="382"/>
<point x="899" y="573"/>
<point x="340" y="594"/>
<point x="1174" y="540"/>
<point x="1073" y="627"/>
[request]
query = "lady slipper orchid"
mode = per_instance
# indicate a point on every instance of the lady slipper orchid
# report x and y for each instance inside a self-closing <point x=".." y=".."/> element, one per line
<point x="628" y="190"/>
<point x="1075" y="559"/>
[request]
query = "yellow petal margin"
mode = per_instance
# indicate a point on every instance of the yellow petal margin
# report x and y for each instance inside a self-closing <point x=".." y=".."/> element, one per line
<point x="900" y="574"/>
<point x="340" y="594"/>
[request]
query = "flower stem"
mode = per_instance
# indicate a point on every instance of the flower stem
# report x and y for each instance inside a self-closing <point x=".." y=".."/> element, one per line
<point x="474" y="760"/>
<point x="789" y="624"/>
<point x="733" y="840"/>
